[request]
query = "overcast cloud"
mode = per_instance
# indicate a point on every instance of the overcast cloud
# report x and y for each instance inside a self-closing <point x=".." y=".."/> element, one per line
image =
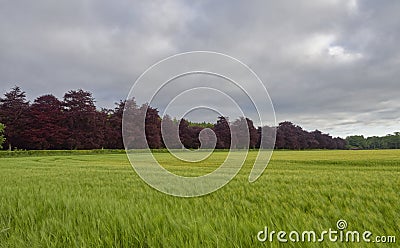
<point x="327" y="64"/>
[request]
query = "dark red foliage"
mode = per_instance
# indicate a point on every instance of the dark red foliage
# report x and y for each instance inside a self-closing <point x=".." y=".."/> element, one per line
<point x="223" y="133"/>
<point x="46" y="124"/>
<point x="290" y="136"/>
<point x="14" y="115"/>
<point x="113" y="126"/>
<point x="75" y="123"/>
<point x="153" y="128"/>
<point x="84" y="123"/>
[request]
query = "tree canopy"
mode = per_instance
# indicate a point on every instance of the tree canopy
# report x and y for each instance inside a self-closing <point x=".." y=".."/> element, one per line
<point x="76" y="123"/>
<point x="390" y="141"/>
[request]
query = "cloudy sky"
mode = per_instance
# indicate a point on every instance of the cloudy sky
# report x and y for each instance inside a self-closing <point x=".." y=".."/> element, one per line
<point x="327" y="64"/>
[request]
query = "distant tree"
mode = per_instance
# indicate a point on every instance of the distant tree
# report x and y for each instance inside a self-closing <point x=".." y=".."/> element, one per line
<point x="84" y="123"/>
<point x="253" y="133"/>
<point x="340" y="143"/>
<point x="195" y="136"/>
<point x="392" y="141"/>
<point x="356" y="141"/>
<point x="2" y="139"/>
<point x="47" y="129"/>
<point x="266" y="137"/>
<point x="374" y="142"/>
<point x="134" y="126"/>
<point x="113" y="126"/>
<point x="201" y="124"/>
<point x="100" y="137"/>
<point x="312" y="142"/>
<point x="14" y="115"/>
<point x="152" y="127"/>
<point x="189" y="135"/>
<point x="223" y="133"/>
<point x="287" y="136"/>
<point x="325" y="141"/>
<point x="240" y="133"/>
<point x="75" y="123"/>
<point x="184" y="134"/>
<point x="290" y="136"/>
<point x="280" y="139"/>
<point x="170" y="133"/>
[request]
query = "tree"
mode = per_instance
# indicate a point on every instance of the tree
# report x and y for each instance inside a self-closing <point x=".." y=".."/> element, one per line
<point x="290" y="136"/>
<point x="14" y="115"/>
<point x="113" y="126"/>
<point x="2" y="139"/>
<point x="75" y="123"/>
<point x="356" y="142"/>
<point x="84" y="123"/>
<point x="170" y="133"/>
<point x="287" y="136"/>
<point x="266" y="137"/>
<point x="253" y="132"/>
<point x="392" y="141"/>
<point x="324" y="140"/>
<point x="184" y="134"/>
<point x="133" y="126"/>
<point x="340" y="143"/>
<point x="189" y="135"/>
<point x="194" y="132"/>
<point x="152" y="127"/>
<point x="47" y="128"/>
<point x="240" y="133"/>
<point x="374" y="142"/>
<point x="223" y="133"/>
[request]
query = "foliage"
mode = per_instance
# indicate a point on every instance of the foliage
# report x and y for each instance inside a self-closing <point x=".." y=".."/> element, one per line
<point x="390" y="141"/>
<point x="98" y="201"/>
<point x="84" y="123"/>
<point x="76" y="123"/>
<point x="222" y="131"/>
<point x="47" y="129"/>
<point x="290" y="136"/>
<point x="2" y="139"/>
<point x="356" y="141"/>
<point x="113" y="127"/>
<point x="14" y="114"/>
<point x="201" y="124"/>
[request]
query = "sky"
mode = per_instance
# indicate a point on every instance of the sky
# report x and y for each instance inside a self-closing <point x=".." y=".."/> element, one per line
<point x="331" y="65"/>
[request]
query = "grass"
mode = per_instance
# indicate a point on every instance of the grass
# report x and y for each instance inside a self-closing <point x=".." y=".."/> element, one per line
<point x="40" y="153"/>
<point x="99" y="201"/>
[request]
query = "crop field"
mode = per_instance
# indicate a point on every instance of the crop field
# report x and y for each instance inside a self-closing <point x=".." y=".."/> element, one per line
<point x="97" y="200"/>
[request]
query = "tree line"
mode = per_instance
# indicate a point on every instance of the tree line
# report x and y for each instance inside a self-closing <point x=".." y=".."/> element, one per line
<point x="390" y="141"/>
<point x="75" y="123"/>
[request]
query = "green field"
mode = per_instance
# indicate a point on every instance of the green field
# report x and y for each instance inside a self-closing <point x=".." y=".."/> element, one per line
<point x="99" y="201"/>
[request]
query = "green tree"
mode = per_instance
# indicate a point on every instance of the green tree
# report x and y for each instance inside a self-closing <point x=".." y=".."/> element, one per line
<point x="392" y="141"/>
<point x="2" y="139"/>
<point x="374" y="142"/>
<point x="356" y="141"/>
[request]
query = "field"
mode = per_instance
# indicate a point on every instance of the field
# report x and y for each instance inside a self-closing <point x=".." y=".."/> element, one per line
<point x="97" y="200"/>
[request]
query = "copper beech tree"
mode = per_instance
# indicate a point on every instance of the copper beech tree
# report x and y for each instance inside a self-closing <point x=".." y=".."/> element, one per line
<point x="76" y="123"/>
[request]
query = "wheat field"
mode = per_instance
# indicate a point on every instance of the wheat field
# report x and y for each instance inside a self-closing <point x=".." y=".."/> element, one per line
<point x="97" y="200"/>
